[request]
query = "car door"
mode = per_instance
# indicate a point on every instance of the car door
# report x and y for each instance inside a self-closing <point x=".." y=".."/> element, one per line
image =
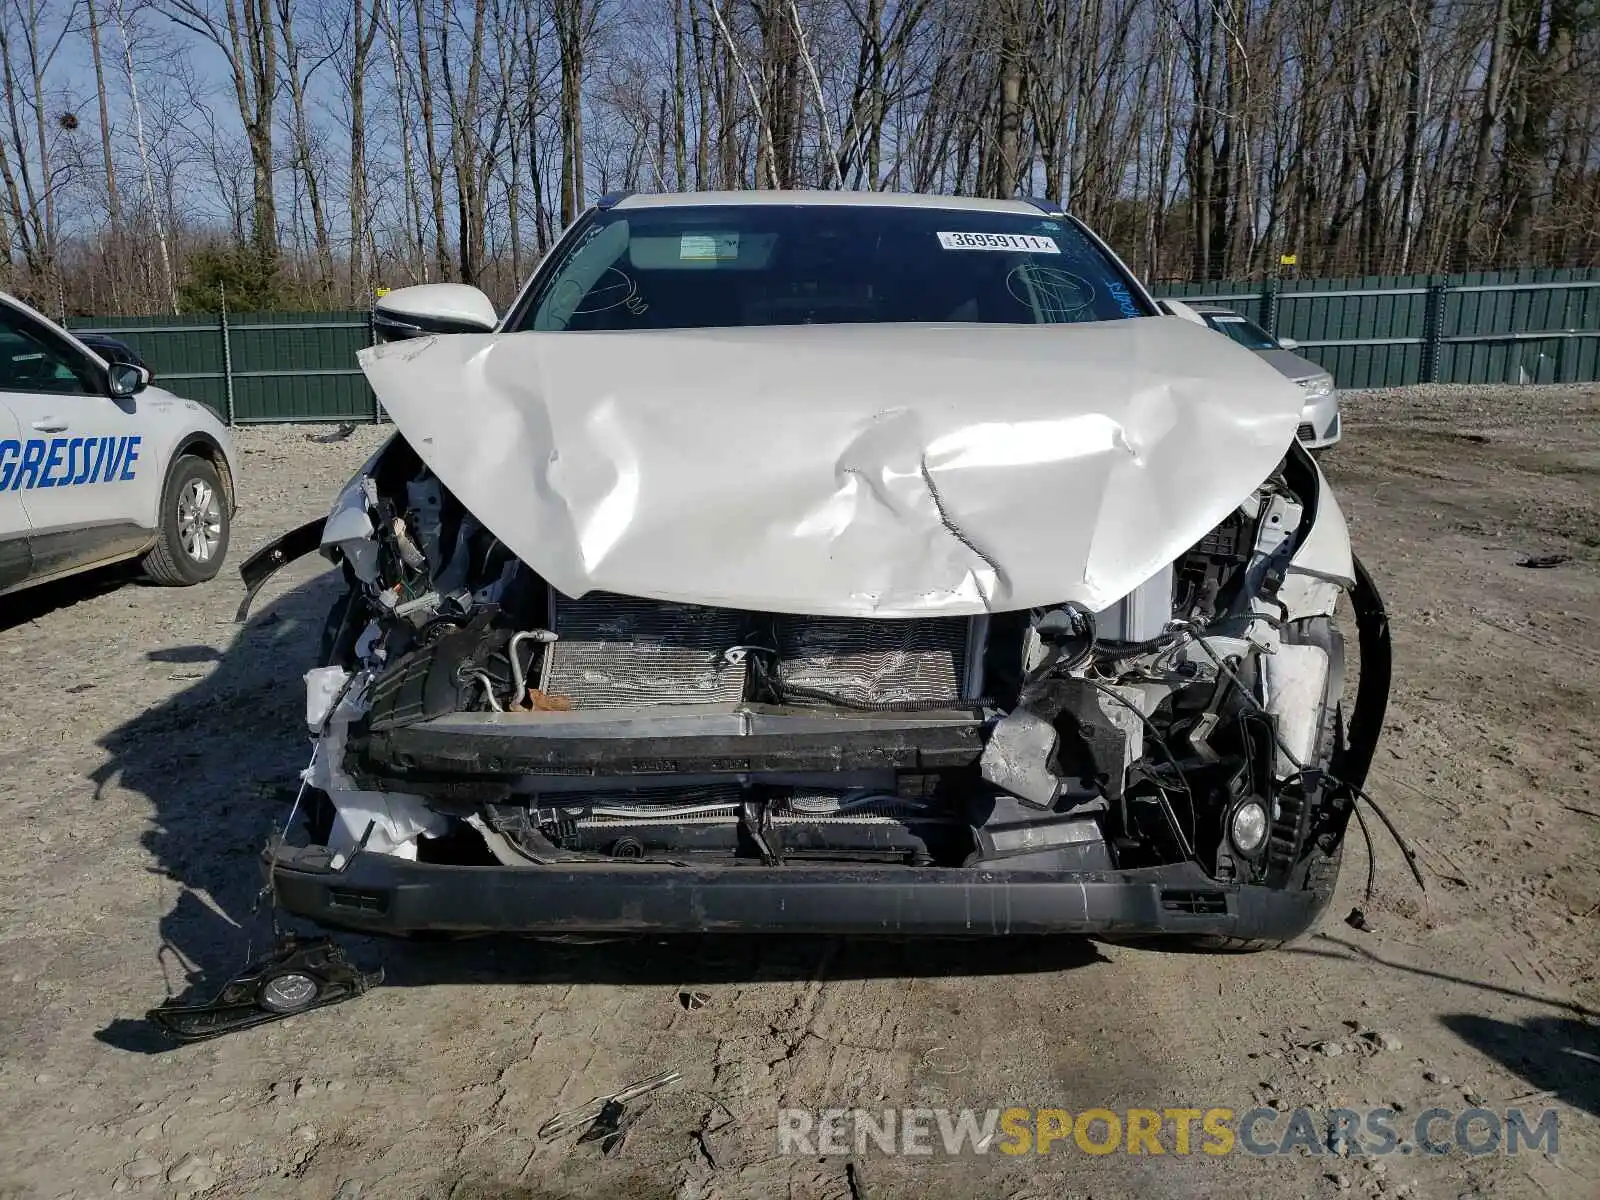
<point x="16" y="561"/>
<point x="80" y="467"/>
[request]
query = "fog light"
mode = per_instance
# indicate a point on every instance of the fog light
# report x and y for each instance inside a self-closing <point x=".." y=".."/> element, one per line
<point x="287" y="993"/>
<point x="1248" y="827"/>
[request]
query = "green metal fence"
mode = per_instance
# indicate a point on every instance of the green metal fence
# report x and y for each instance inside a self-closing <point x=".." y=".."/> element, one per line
<point x="1393" y="330"/>
<point x="254" y="368"/>
<point x="1377" y="331"/>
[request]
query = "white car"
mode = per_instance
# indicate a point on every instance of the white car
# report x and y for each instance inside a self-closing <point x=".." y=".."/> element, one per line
<point x="1320" y="424"/>
<point x="98" y="467"/>
<point x="830" y="563"/>
<point x="1319" y="418"/>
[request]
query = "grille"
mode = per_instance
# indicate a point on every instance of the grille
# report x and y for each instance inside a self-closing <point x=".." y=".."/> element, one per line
<point x="867" y="662"/>
<point x="1307" y="432"/>
<point x="1195" y="903"/>
<point x="623" y="652"/>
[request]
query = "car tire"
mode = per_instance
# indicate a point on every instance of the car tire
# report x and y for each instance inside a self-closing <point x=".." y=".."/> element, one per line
<point x="192" y="540"/>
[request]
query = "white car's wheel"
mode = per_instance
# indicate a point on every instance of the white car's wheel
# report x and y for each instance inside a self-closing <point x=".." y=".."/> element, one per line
<point x="193" y="538"/>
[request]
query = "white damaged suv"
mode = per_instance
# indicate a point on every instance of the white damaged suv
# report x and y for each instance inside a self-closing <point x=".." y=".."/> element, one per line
<point x="98" y="467"/>
<point x="827" y="562"/>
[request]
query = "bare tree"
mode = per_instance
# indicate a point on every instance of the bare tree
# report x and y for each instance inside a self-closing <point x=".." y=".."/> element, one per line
<point x="298" y="72"/>
<point x="107" y="159"/>
<point x="31" y="35"/>
<point x="363" y="32"/>
<point x="574" y="20"/>
<point x="435" y="164"/>
<point x="244" y="31"/>
<point x="1206" y="138"/>
<point x="120" y="18"/>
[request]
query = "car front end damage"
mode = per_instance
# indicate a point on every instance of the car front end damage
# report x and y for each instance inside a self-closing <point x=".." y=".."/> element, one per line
<point x="496" y="753"/>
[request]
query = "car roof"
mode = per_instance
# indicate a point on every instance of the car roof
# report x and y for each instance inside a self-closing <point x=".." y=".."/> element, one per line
<point x="833" y="199"/>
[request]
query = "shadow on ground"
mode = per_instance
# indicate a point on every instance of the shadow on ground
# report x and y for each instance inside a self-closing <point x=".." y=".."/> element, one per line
<point x="1316" y="946"/>
<point x="218" y="764"/>
<point x="29" y="605"/>
<point x="1555" y="1055"/>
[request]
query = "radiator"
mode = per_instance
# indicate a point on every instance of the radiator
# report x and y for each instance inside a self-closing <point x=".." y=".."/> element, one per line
<point x="868" y="662"/>
<point x="625" y="652"/>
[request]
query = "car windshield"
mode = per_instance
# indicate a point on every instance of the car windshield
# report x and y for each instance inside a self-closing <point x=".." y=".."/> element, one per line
<point x="1242" y="330"/>
<point x="716" y="266"/>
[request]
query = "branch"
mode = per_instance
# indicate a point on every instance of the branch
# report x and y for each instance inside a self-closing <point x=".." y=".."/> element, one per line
<point x="755" y="99"/>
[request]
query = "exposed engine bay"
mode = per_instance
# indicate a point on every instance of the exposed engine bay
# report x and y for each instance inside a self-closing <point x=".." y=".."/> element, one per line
<point x="471" y="714"/>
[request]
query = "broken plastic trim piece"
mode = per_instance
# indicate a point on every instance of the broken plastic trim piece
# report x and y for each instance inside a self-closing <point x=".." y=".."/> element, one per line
<point x="299" y="975"/>
<point x="273" y="557"/>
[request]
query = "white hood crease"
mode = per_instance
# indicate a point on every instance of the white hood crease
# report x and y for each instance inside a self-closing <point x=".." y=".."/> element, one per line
<point x="848" y="470"/>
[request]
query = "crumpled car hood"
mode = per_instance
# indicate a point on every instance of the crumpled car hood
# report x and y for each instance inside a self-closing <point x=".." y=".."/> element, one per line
<point x="849" y="470"/>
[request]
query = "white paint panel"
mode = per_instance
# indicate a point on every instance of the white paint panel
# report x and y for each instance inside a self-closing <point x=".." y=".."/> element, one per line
<point x="851" y="470"/>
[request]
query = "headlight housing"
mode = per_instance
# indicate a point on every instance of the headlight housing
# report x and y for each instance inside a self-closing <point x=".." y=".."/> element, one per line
<point x="1316" y="387"/>
<point x="1248" y="827"/>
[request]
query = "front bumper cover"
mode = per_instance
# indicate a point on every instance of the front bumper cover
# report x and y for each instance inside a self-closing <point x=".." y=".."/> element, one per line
<point x="1320" y="423"/>
<point x="382" y="894"/>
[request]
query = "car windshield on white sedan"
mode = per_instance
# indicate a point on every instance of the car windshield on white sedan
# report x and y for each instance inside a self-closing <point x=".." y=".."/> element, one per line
<point x="1242" y="330"/>
<point x="720" y="266"/>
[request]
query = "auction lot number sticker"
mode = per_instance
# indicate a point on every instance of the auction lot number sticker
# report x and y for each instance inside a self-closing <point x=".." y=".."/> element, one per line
<point x="1029" y="243"/>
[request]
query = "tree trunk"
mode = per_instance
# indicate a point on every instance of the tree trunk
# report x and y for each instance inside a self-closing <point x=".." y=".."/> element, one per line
<point x="108" y="160"/>
<point x="435" y="164"/>
<point x="360" y="218"/>
<point x="705" y="99"/>
<point x="1545" y="52"/>
<point x="394" y="34"/>
<point x="569" y="15"/>
<point x="1421" y="18"/>
<point x="1489" y="117"/>
<point x="119" y="17"/>
<point x="26" y="207"/>
<point x="322" y="241"/>
<point x="471" y="157"/>
<point x="261" y="53"/>
<point x="680" y="90"/>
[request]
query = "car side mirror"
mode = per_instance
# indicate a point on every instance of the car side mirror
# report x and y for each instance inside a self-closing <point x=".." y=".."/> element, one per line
<point x="125" y="379"/>
<point x="433" y="308"/>
<point x="1288" y="344"/>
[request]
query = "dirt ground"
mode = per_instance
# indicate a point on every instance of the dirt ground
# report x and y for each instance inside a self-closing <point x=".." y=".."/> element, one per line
<point x="146" y="744"/>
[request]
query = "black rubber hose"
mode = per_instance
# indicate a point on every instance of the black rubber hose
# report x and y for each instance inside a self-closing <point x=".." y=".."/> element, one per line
<point x="1352" y="761"/>
<point x="1110" y="651"/>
